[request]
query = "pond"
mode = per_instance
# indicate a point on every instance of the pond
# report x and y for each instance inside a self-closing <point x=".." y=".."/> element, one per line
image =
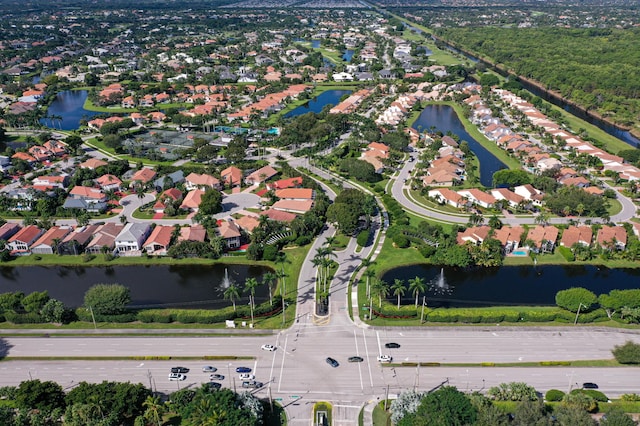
<point x="348" y="54"/>
<point x="316" y="104"/>
<point x="509" y="285"/>
<point x="445" y="119"/>
<point x="178" y="286"/>
<point x="69" y="105"/>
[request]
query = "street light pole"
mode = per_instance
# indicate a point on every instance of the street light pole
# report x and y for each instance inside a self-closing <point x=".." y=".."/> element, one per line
<point x="578" y="313"/>
<point x="423" y="305"/>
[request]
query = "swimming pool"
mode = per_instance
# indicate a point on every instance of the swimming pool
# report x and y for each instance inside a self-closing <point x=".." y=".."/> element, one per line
<point x="519" y="252"/>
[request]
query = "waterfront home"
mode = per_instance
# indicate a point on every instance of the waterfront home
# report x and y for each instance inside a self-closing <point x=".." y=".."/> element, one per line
<point x="22" y="240"/>
<point x="230" y="232"/>
<point x="193" y="233"/>
<point x="76" y="241"/>
<point x="530" y="193"/>
<point x="49" y="241"/>
<point x="247" y="223"/>
<point x="474" y="235"/>
<point x="577" y="235"/>
<point x="297" y="194"/>
<point x="8" y="230"/>
<point x="612" y="237"/>
<point x="129" y="241"/>
<point x="159" y="240"/>
<point x="543" y="238"/>
<point x="104" y="238"/>
<point x="509" y="237"/>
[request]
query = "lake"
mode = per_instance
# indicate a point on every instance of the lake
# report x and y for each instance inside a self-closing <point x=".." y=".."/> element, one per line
<point x="348" y="54"/>
<point x="445" y="119"/>
<point x="316" y="104"/>
<point x="509" y="285"/>
<point x="69" y="105"/>
<point x="177" y="286"/>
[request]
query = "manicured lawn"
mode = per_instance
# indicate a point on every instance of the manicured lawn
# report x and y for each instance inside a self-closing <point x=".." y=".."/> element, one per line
<point x="381" y="417"/>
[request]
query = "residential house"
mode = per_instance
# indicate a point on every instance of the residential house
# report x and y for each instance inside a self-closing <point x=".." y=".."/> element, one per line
<point x="201" y="181"/>
<point x="232" y="176"/>
<point x="48" y="182"/>
<point x="192" y="200"/>
<point x="57" y="148"/>
<point x="478" y="197"/>
<point x="129" y="241"/>
<point x="92" y="163"/>
<point x="158" y="242"/>
<point x="142" y="177"/>
<point x="279" y="215"/>
<point x="8" y="230"/>
<point x="86" y="198"/>
<point x="76" y="241"/>
<point x="104" y="238"/>
<point x="169" y="180"/>
<point x="22" y="240"/>
<point x="511" y="197"/>
<point x="294" y="182"/>
<point x="247" y="223"/>
<point x="109" y="183"/>
<point x="230" y="232"/>
<point x="543" y="238"/>
<point x="49" y="241"/>
<point x="261" y="175"/>
<point x="509" y="237"/>
<point x="529" y="193"/>
<point x="474" y="235"/>
<point x="612" y="237"/>
<point x="298" y="194"/>
<point x="193" y="233"/>
<point x="447" y="196"/>
<point x="577" y="235"/>
<point x="169" y="196"/>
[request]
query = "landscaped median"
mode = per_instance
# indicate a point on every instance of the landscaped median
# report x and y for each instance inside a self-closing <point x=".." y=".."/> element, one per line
<point x="130" y="358"/>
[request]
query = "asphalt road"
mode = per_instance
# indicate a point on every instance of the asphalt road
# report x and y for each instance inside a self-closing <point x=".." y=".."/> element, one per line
<point x="297" y="372"/>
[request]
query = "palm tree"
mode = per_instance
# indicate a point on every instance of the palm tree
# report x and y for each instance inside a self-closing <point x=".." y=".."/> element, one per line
<point x="398" y="289"/>
<point x="232" y="293"/>
<point x="368" y="273"/>
<point x="154" y="410"/>
<point x="330" y="240"/>
<point x="250" y="286"/>
<point x="417" y="285"/>
<point x="268" y="279"/>
<point x="381" y="289"/>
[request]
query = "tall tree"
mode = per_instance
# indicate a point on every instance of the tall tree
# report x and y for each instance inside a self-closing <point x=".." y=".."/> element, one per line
<point x="398" y="289"/>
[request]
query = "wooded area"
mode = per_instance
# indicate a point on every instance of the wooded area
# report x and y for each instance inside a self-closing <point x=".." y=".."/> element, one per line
<point x="595" y="68"/>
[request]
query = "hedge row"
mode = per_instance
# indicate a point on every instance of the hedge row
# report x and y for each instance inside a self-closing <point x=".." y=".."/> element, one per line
<point x="488" y="315"/>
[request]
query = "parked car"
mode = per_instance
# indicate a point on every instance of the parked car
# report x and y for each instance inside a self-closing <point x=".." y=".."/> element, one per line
<point x="332" y="362"/>
<point x="209" y="369"/>
<point x="181" y="370"/>
<point x="355" y="359"/>
<point x="589" y="385"/>
<point x="269" y="348"/>
<point x="247" y="376"/>
<point x="252" y="384"/>
<point x="177" y="376"/>
<point x="214" y="385"/>
<point x="385" y="358"/>
<point x="392" y="345"/>
<point x="243" y="370"/>
<point x="216" y="377"/>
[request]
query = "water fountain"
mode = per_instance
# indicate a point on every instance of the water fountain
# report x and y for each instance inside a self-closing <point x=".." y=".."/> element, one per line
<point x="226" y="281"/>
<point x="439" y="285"/>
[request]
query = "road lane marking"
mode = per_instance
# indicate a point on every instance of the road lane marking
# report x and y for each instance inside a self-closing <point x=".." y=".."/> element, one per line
<point x="366" y="350"/>
<point x="286" y="340"/>
<point x="355" y="338"/>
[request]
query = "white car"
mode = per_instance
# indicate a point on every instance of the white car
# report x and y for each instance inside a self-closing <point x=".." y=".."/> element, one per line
<point x="385" y="358"/>
<point x="177" y="376"/>
<point x="209" y="369"/>
<point x="247" y="376"/>
<point x="269" y="348"/>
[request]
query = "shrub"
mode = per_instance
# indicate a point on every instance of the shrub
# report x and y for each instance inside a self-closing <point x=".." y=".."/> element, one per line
<point x="554" y="395"/>
<point x="597" y="395"/>
<point x="401" y="241"/>
<point x="155" y="315"/>
<point x="302" y="240"/>
<point x="27" y="318"/>
<point x="629" y="353"/>
<point x="512" y="316"/>
<point x="630" y="397"/>
<point x="575" y="298"/>
<point x="270" y="252"/>
<point x="363" y="238"/>
<point x="538" y="316"/>
<point x="441" y="315"/>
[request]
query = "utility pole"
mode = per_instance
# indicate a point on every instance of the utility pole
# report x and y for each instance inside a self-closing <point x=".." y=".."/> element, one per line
<point x="386" y="398"/>
<point x="94" y="318"/>
<point x="579" y="306"/>
<point x="423" y="305"/>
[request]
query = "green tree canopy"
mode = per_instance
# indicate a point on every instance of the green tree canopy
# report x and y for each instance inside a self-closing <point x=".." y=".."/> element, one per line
<point x="571" y="299"/>
<point x="107" y="299"/>
<point x="629" y="353"/>
<point x="445" y="407"/>
<point x="511" y="178"/>
<point x="45" y="396"/>
<point x="211" y="202"/>
<point x="359" y="170"/>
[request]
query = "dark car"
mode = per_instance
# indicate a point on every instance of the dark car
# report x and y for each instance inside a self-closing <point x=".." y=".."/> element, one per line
<point x="243" y="370"/>
<point x="589" y="385"/>
<point x="392" y="345"/>
<point x="181" y="370"/>
<point x="332" y="362"/>
<point x="213" y="385"/>
<point x="355" y="359"/>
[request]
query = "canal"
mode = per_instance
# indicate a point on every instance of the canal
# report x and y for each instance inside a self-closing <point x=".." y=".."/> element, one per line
<point x="445" y="119"/>
<point x="177" y="286"/>
<point x="509" y="285"/>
